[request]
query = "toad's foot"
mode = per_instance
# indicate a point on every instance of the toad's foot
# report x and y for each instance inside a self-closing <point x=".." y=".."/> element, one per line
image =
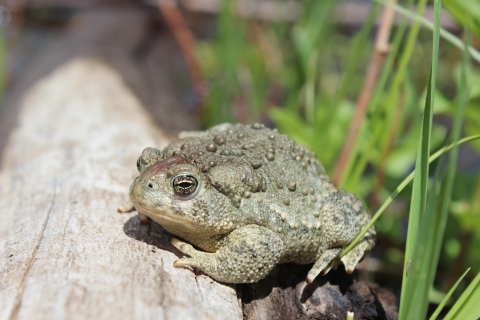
<point x="126" y="207"/>
<point x="330" y="258"/>
<point x="129" y="207"/>
<point x="353" y="257"/>
<point x="327" y="260"/>
<point x="248" y="255"/>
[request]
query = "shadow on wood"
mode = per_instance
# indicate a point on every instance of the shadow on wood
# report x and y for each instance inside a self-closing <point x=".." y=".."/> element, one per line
<point x="283" y="294"/>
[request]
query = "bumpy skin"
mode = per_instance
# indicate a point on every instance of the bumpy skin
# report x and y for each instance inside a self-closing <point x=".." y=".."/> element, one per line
<point x="259" y="200"/>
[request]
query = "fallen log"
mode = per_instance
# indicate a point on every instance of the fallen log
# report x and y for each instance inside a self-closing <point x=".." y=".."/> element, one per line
<point x="66" y="253"/>
<point x="66" y="168"/>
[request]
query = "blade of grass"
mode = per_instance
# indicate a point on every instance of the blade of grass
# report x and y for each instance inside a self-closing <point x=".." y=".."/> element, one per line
<point x="417" y="283"/>
<point x="419" y="193"/>
<point x="426" y="251"/>
<point x="447" y="297"/>
<point x="475" y="54"/>
<point x="467" y="306"/>
<point x="399" y="189"/>
<point x="423" y="265"/>
<point x="463" y="96"/>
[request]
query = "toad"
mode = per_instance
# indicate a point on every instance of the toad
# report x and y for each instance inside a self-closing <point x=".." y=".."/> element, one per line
<point x="248" y="197"/>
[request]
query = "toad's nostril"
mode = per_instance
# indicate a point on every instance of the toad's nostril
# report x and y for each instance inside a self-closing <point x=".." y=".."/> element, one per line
<point x="150" y="185"/>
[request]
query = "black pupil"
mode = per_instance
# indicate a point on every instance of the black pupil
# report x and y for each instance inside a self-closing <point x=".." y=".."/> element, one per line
<point x="184" y="184"/>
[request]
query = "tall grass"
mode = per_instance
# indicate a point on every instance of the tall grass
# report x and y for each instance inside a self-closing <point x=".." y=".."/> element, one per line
<point x="306" y="78"/>
<point x="416" y="273"/>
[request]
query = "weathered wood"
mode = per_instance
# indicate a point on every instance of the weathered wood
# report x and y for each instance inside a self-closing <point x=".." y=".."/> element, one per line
<point x="283" y="294"/>
<point x="67" y="165"/>
<point x="64" y="250"/>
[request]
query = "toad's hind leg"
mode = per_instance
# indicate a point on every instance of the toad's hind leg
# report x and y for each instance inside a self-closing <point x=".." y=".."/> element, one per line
<point x="246" y="255"/>
<point x="330" y="257"/>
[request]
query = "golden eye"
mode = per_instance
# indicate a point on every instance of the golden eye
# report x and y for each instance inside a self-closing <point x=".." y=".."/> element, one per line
<point x="184" y="184"/>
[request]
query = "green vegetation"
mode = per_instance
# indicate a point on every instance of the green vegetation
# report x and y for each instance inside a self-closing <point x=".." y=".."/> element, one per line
<point x="306" y="78"/>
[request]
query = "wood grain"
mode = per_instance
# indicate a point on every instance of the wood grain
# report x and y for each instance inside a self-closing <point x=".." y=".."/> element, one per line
<point x="64" y="251"/>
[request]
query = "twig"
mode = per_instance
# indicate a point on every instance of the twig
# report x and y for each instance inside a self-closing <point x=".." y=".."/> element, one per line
<point x="186" y="41"/>
<point x="381" y="49"/>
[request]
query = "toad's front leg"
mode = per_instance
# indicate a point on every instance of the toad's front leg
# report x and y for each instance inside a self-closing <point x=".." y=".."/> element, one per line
<point x="248" y="255"/>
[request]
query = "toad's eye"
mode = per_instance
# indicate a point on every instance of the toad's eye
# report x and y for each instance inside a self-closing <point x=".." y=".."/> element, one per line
<point x="184" y="184"/>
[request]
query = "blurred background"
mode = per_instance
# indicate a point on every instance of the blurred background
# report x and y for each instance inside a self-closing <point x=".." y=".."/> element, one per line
<point x="345" y="78"/>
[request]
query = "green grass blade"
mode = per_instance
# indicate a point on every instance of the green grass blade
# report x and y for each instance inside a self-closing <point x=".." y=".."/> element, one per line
<point x="426" y="250"/>
<point x="440" y="216"/>
<point x="416" y="285"/>
<point x="447" y="297"/>
<point x="467" y="306"/>
<point x="402" y="186"/>
<point x="418" y="201"/>
<point x="443" y="33"/>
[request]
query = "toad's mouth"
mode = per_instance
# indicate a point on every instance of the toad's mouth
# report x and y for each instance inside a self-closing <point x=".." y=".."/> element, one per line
<point x="165" y="215"/>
